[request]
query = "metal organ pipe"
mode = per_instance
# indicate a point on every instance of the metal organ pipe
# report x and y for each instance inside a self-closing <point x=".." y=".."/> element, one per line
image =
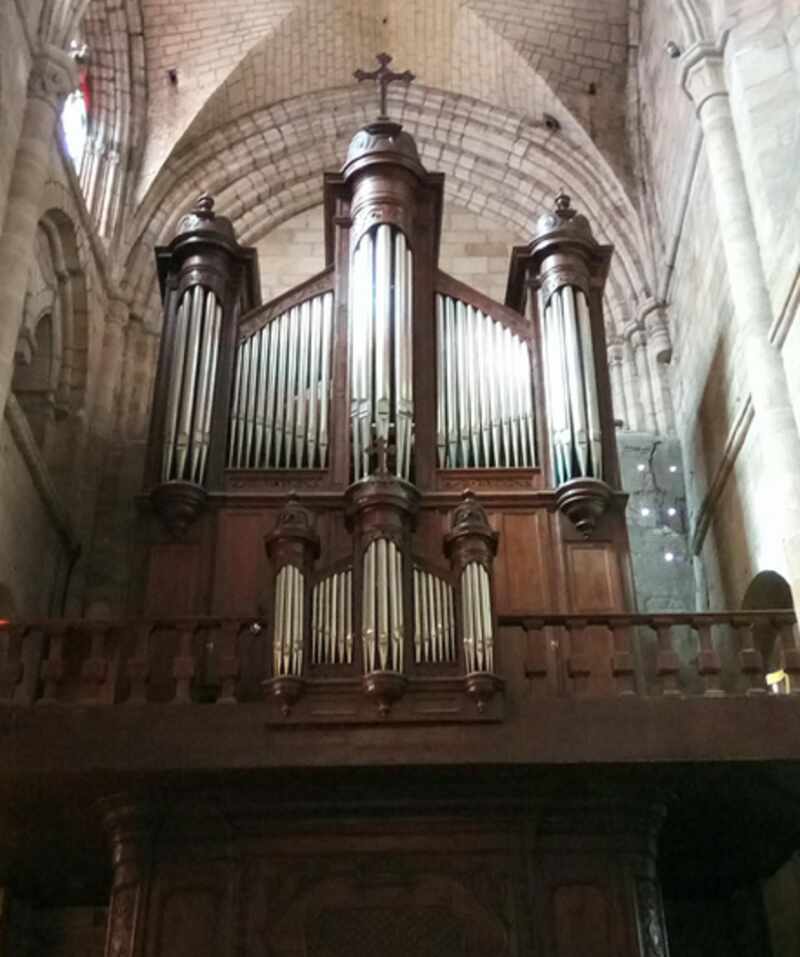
<point x="288" y="631"/>
<point x="282" y="382"/>
<point x="434" y="624"/>
<point x="381" y="372"/>
<point x="383" y="627"/>
<point x="485" y="391"/>
<point x="192" y="380"/>
<point x="575" y="431"/>
<point x="477" y="619"/>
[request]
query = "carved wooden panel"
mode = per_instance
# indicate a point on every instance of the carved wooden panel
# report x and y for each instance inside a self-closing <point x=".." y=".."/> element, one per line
<point x="389" y="903"/>
<point x="522" y="573"/>
<point x="188" y="924"/>
<point x="594" y="578"/>
<point x="172" y="580"/>
<point x="582" y="922"/>
<point x="241" y="567"/>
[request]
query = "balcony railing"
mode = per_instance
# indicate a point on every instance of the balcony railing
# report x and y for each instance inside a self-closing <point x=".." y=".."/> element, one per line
<point x="227" y="661"/>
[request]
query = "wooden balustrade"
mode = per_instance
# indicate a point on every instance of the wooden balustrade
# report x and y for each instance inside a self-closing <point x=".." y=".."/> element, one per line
<point x="224" y="661"/>
<point x="671" y="655"/>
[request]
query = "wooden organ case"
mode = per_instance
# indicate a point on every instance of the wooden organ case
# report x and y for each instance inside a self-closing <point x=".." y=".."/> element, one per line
<point x="380" y="462"/>
<point x="353" y="484"/>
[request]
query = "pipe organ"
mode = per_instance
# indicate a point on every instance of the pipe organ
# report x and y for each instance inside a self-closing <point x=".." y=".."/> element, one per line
<point x="380" y="335"/>
<point x="193" y="375"/>
<point x="281" y="393"/>
<point x="577" y="448"/>
<point x="332" y="619"/>
<point x="382" y="615"/>
<point x="485" y="416"/>
<point x="316" y="459"/>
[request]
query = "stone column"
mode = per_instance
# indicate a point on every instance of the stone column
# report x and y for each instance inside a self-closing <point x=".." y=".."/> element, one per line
<point x="637" y="338"/>
<point x="616" y="356"/>
<point x="53" y="76"/>
<point x="703" y="80"/>
<point x="659" y="353"/>
<point x="128" y="824"/>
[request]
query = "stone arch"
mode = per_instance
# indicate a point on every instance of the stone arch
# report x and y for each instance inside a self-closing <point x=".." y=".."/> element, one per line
<point x="495" y="50"/>
<point x="769" y="591"/>
<point x="268" y="168"/>
<point x="50" y="376"/>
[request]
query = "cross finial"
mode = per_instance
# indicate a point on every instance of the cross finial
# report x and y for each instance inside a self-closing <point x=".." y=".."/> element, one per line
<point x="383" y="76"/>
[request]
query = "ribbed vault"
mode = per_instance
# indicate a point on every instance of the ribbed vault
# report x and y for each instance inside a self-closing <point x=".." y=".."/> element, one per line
<point x="266" y="167"/>
<point x="241" y="56"/>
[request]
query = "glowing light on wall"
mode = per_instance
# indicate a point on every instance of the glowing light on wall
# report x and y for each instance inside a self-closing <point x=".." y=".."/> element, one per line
<point x="75" y="119"/>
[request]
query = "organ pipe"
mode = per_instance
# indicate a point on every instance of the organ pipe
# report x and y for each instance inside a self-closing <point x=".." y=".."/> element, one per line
<point x="434" y="624"/>
<point x="281" y="393"/>
<point x="289" y="627"/>
<point x="575" y="431"/>
<point x="332" y="620"/>
<point x="190" y="394"/>
<point x="381" y="372"/>
<point x="476" y="618"/>
<point x="485" y="416"/>
<point x="383" y="628"/>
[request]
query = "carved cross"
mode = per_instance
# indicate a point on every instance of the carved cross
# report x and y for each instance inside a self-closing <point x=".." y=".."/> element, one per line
<point x="383" y="76"/>
<point x="382" y="451"/>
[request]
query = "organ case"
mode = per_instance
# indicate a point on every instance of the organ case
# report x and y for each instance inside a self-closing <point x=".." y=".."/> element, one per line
<point x="382" y="462"/>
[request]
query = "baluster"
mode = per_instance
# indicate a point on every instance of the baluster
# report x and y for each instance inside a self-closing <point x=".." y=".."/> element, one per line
<point x="31" y="652"/>
<point x="579" y="661"/>
<point x="623" y="662"/>
<point x="708" y="662"/>
<point x="183" y="667"/>
<point x="790" y="644"/>
<point x="138" y="666"/>
<point x="53" y="668"/>
<point x="229" y="663"/>
<point x="10" y="664"/>
<point x="751" y="661"/>
<point x="668" y="664"/>
<point x="95" y="670"/>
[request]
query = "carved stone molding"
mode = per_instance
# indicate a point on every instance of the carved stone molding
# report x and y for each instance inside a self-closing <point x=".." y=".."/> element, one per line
<point x="53" y="76"/>
<point x="703" y="72"/>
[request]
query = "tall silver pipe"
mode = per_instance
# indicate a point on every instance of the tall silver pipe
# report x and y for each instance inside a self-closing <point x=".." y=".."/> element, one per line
<point x="211" y="380"/>
<point x="300" y="434"/>
<point x="176" y="382"/>
<point x="590" y="384"/>
<point x="314" y="374"/>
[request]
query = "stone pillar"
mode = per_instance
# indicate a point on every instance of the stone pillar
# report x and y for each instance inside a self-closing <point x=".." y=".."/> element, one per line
<point x="595" y="880"/>
<point x="637" y="338"/>
<point x="110" y="384"/>
<point x="616" y="356"/>
<point x="128" y="824"/>
<point x="659" y="353"/>
<point x="53" y="76"/>
<point x="703" y="79"/>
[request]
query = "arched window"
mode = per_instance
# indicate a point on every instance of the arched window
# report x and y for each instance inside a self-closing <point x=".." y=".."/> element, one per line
<point x="769" y="591"/>
<point x="75" y="112"/>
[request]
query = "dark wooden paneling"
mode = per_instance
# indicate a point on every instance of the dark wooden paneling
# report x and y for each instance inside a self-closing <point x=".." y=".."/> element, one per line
<point x="242" y="567"/>
<point x="172" y="580"/>
<point x="522" y="573"/>
<point x="594" y="578"/>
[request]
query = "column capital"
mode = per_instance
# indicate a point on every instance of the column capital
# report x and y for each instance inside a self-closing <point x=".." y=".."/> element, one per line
<point x="616" y="350"/>
<point x="703" y="71"/>
<point x="53" y="75"/>
<point x="634" y="334"/>
<point x="651" y="318"/>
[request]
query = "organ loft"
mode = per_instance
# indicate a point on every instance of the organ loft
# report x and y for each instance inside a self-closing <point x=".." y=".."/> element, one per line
<point x="382" y="685"/>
